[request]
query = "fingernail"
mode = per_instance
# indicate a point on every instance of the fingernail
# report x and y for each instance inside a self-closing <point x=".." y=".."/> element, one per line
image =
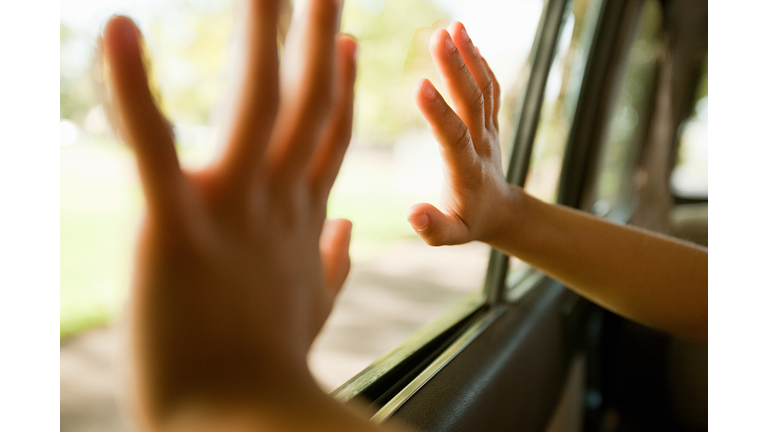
<point x="419" y="221"/>
<point x="428" y="91"/>
<point x="449" y="46"/>
<point x="355" y="44"/>
<point x="463" y="35"/>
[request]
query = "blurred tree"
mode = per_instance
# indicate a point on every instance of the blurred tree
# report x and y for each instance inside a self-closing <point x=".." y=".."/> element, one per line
<point x="394" y="54"/>
<point x="77" y="93"/>
<point x="189" y="42"/>
<point x="702" y="90"/>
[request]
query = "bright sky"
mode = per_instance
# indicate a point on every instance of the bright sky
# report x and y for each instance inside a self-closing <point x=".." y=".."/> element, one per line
<point x="505" y="35"/>
<point x="92" y="14"/>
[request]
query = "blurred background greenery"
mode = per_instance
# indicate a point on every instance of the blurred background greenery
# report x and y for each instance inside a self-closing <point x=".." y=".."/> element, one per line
<point x="392" y="163"/>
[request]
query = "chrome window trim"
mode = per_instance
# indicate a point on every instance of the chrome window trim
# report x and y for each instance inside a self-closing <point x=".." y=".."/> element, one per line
<point x="541" y="58"/>
<point x="388" y="361"/>
<point x="445" y="357"/>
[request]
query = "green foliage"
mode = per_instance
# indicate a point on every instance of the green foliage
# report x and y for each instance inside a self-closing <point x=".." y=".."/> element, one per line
<point x="188" y="45"/>
<point x="100" y="207"/>
<point x="77" y="91"/>
<point x="393" y="55"/>
<point x="188" y="42"/>
<point x="702" y="90"/>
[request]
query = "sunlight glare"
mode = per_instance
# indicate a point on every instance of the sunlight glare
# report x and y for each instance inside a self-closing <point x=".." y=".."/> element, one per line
<point x="68" y="132"/>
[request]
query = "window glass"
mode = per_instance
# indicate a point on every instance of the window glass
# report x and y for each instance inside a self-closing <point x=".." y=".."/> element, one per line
<point x="618" y="155"/>
<point x="560" y="96"/>
<point x="397" y="283"/>
<point x="689" y="176"/>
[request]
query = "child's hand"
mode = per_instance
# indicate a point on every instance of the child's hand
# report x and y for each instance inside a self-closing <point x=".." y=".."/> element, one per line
<point x="233" y="278"/>
<point x="654" y="280"/>
<point x="474" y="189"/>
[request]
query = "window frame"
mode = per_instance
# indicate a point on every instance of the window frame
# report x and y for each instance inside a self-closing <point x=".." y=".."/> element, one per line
<point x="618" y="67"/>
<point x="457" y="329"/>
<point x="700" y="72"/>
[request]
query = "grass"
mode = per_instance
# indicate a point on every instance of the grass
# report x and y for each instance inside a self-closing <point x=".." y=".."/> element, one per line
<point x="101" y="206"/>
<point x="100" y="209"/>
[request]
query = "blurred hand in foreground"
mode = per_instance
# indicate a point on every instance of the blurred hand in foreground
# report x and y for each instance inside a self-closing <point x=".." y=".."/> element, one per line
<point x="237" y="267"/>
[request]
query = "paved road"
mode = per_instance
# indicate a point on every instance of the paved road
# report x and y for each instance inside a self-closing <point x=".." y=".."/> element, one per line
<point x="386" y="299"/>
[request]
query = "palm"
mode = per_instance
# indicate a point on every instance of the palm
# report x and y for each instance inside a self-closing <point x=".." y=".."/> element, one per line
<point x="218" y="296"/>
<point x="468" y="136"/>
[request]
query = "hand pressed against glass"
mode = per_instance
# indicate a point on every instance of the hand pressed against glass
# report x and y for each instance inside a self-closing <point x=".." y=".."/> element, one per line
<point x="237" y="268"/>
<point x="653" y="279"/>
<point x="474" y="182"/>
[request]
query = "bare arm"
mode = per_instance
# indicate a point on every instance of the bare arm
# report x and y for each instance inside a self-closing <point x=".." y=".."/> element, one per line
<point x="652" y="279"/>
<point x="656" y="280"/>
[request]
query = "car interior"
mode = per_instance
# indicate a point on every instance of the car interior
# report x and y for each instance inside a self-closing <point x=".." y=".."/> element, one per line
<point x="527" y="354"/>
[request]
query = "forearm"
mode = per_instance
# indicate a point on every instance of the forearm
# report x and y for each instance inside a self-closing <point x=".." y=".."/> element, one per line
<point x="653" y="279"/>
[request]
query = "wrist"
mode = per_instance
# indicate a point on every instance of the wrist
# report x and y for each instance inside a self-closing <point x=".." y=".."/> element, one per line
<point x="508" y="219"/>
<point x="253" y="405"/>
<point x="273" y="411"/>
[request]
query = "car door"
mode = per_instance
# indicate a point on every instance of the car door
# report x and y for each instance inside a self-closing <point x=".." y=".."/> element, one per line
<point x="530" y="355"/>
<point x="504" y="363"/>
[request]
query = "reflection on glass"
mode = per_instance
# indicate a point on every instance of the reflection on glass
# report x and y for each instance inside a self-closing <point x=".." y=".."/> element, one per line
<point x="618" y="155"/>
<point x="397" y="283"/>
<point x="690" y="176"/>
<point x="560" y="97"/>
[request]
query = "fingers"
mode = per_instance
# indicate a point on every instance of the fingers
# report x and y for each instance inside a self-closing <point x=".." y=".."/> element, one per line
<point x="335" y="139"/>
<point x="140" y="121"/>
<point x="454" y="137"/>
<point x="334" y="252"/>
<point x="476" y="66"/>
<point x="306" y="89"/>
<point x="256" y="94"/>
<point x="496" y="91"/>
<point x="464" y="92"/>
<point x="435" y="227"/>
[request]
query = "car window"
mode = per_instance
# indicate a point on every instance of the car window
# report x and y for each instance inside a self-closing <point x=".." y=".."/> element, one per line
<point x="560" y="97"/>
<point x="627" y="115"/>
<point x="689" y="177"/>
<point x="397" y="283"/>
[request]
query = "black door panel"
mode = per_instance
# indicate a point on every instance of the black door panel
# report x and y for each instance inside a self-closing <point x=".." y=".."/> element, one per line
<point x="509" y="378"/>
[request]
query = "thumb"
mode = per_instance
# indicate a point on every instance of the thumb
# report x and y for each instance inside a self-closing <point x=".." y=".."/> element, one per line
<point x="334" y="252"/>
<point x="435" y="227"/>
